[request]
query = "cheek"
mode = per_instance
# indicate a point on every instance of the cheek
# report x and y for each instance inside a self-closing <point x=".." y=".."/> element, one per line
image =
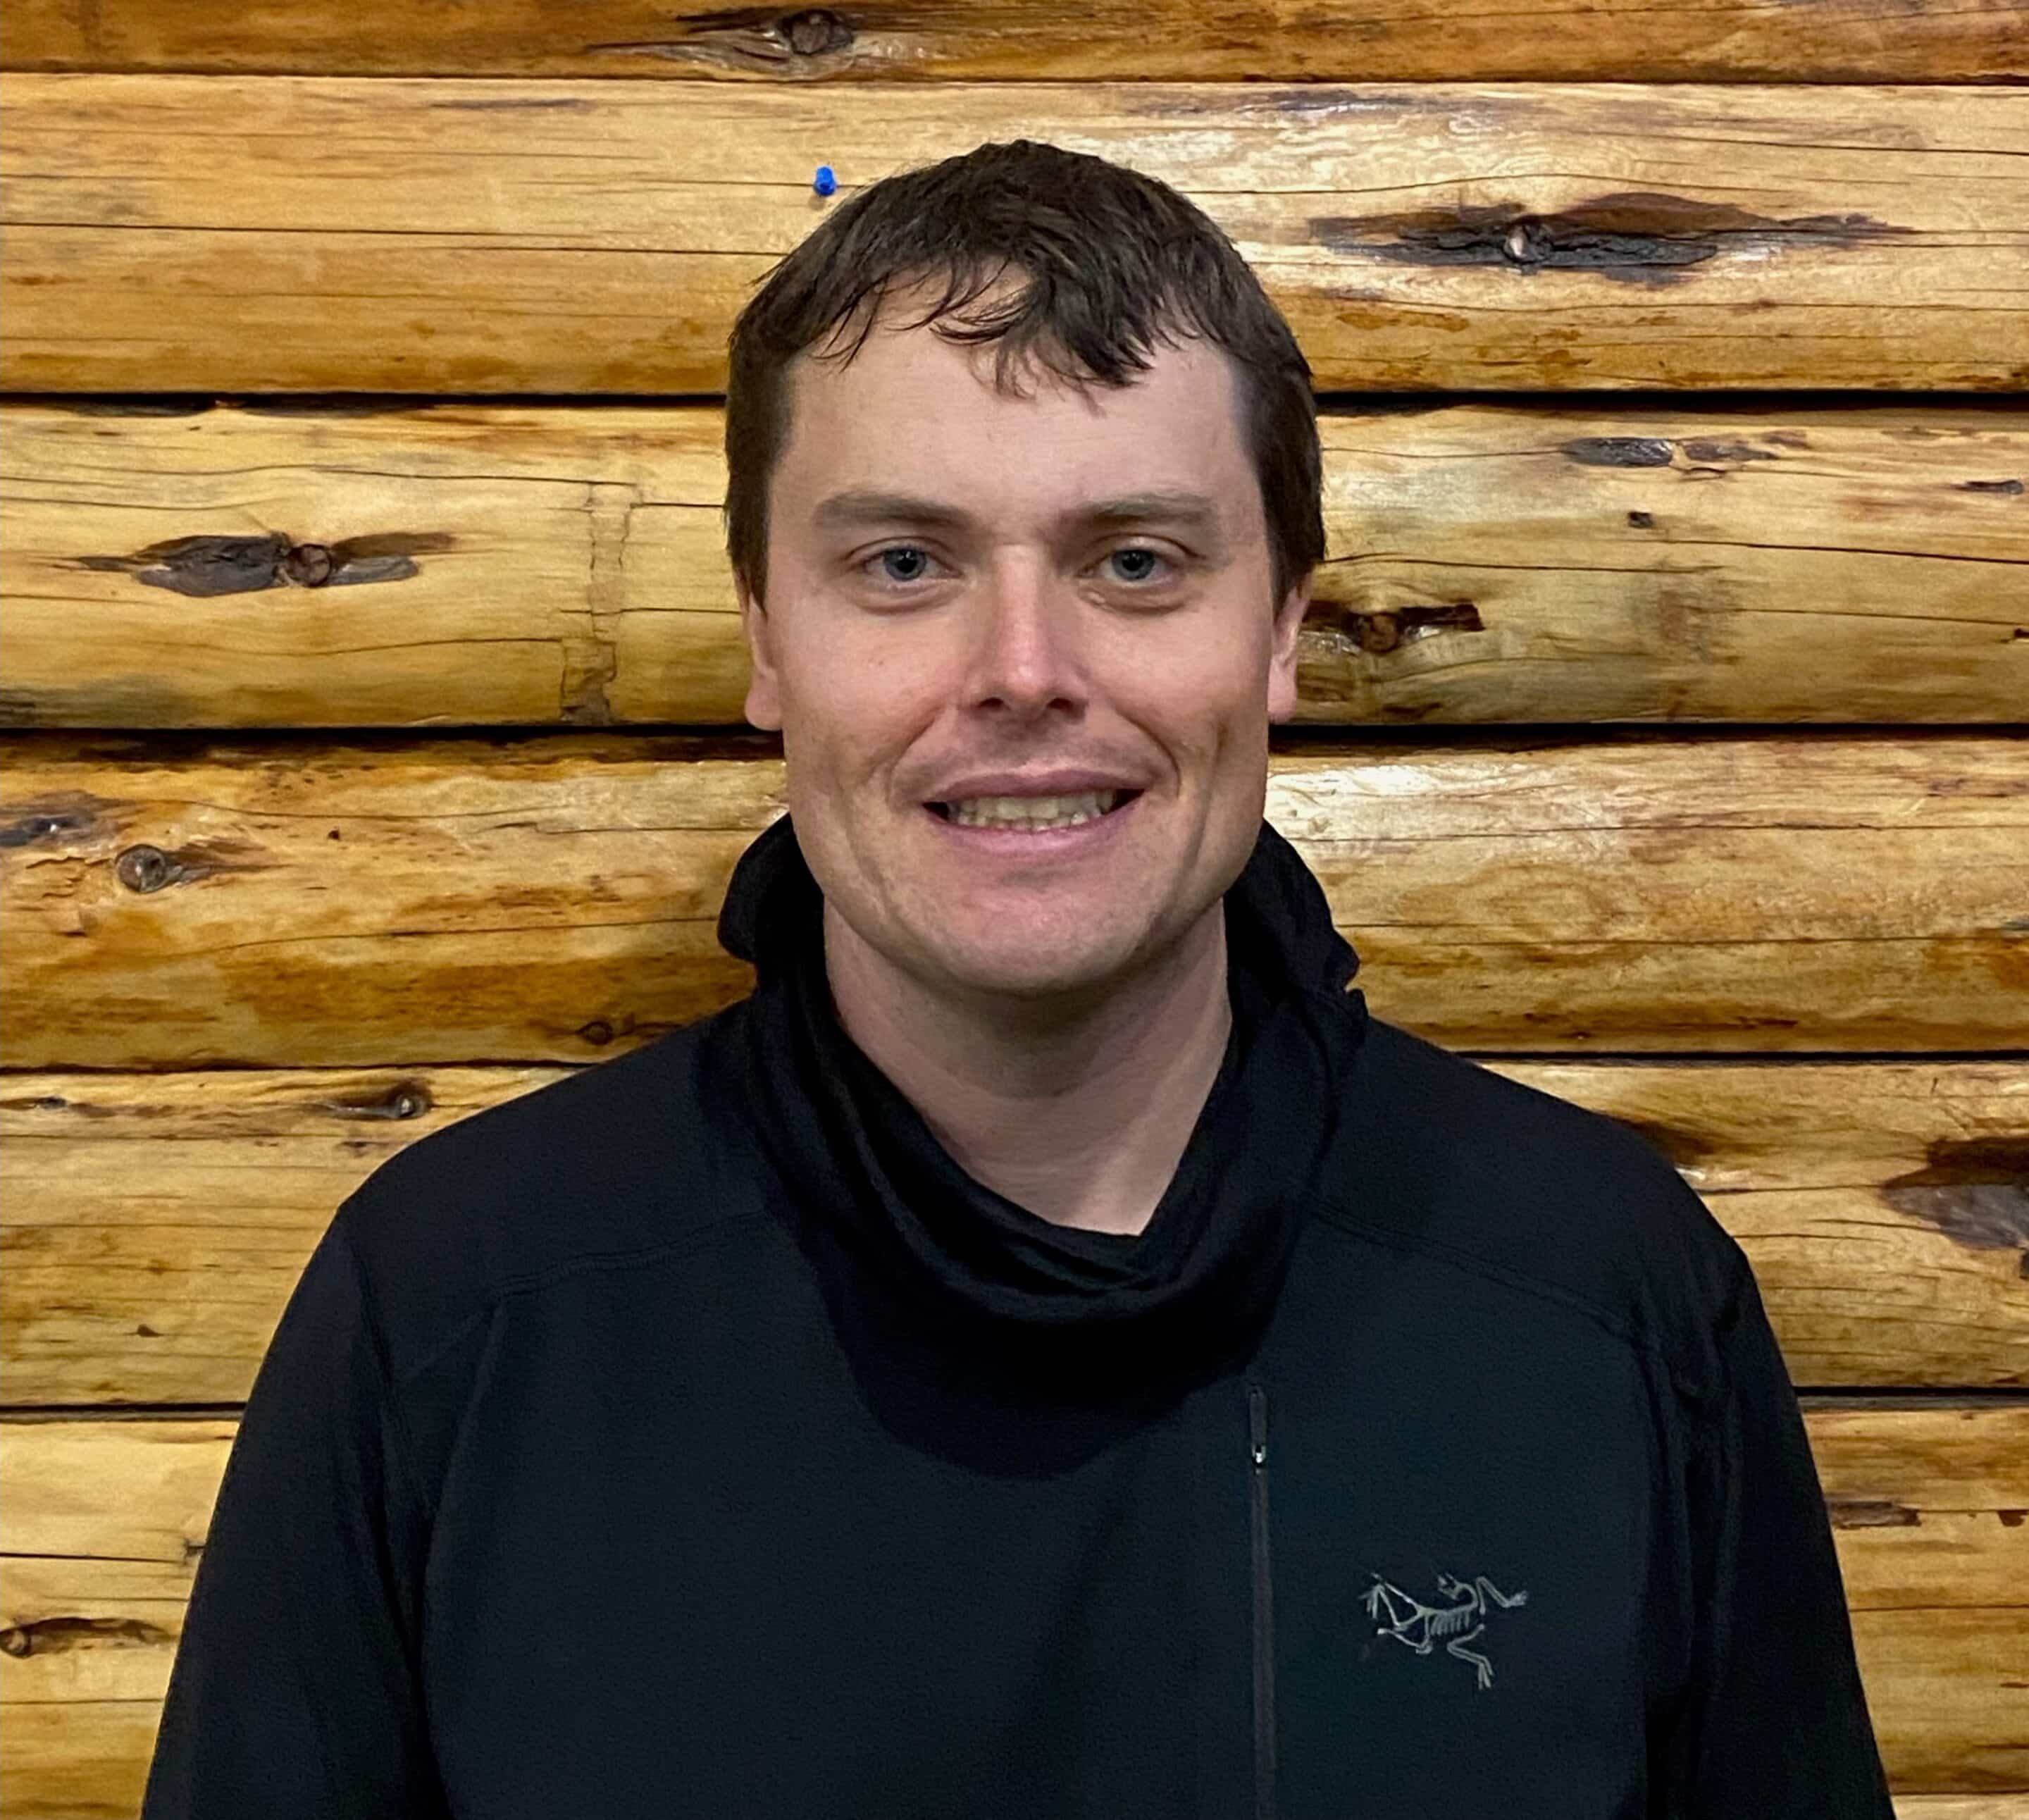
<point x="1215" y="658"/>
<point x="1200" y="697"/>
<point x="850" y="713"/>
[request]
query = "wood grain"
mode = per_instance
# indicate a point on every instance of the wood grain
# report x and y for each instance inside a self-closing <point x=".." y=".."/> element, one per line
<point x="154" y="1224"/>
<point x="298" y="902"/>
<point x="1019" y="40"/>
<point x="1884" y="1205"/>
<point x="107" y="1518"/>
<point x="227" y="566"/>
<point x="2014" y="1806"/>
<point x="1936" y="1581"/>
<point x="283" y="233"/>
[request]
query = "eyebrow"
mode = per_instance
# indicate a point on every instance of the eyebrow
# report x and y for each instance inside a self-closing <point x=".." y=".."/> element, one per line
<point x="867" y="506"/>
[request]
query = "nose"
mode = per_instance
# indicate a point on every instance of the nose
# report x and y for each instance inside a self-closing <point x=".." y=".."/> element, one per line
<point x="1027" y="654"/>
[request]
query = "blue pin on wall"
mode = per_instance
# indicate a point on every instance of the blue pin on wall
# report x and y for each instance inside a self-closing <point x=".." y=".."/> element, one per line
<point x="826" y="182"/>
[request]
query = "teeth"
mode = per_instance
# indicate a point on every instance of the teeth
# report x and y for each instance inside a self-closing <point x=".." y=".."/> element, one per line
<point x="1033" y="812"/>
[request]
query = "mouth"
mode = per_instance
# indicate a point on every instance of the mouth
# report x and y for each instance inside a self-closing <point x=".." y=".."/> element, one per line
<point x="1034" y="816"/>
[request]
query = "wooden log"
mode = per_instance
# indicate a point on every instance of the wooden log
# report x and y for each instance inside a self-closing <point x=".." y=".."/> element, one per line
<point x="584" y="237"/>
<point x="1947" y="1686"/>
<point x="2015" y="1807"/>
<point x="107" y="1519"/>
<point x="84" y="1759"/>
<point x="297" y="903"/>
<point x="223" y="565"/>
<point x="1934" y="1580"/>
<point x="155" y="1224"/>
<point x="1011" y="41"/>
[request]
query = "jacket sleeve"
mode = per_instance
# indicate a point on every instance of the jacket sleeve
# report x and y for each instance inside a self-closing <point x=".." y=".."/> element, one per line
<point x="294" y="1689"/>
<point x="1776" y="1722"/>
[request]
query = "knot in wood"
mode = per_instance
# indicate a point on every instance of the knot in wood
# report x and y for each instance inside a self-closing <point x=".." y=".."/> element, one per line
<point x="1527" y="242"/>
<point x="44" y="825"/>
<point x="814" y="31"/>
<point x="144" y="868"/>
<point x="1379" y="631"/>
<point x="598" y="1033"/>
<point x="309" y="565"/>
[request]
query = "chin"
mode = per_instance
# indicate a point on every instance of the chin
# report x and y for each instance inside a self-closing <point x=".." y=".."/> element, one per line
<point x="1028" y="970"/>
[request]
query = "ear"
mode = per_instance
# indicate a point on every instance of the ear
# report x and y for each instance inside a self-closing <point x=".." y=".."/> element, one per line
<point x="764" y="692"/>
<point x="1283" y="654"/>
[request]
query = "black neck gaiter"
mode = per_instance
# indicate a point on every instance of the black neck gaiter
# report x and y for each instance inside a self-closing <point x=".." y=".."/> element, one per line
<point x="922" y="1263"/>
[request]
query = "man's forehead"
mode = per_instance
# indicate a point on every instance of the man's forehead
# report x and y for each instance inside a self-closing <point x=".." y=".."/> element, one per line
<point x="887" y="439"/>
<point x="896" y="353"/>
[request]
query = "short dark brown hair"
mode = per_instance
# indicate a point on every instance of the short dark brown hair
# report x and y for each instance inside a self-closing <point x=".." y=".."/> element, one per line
<point x="1113" y="261"/>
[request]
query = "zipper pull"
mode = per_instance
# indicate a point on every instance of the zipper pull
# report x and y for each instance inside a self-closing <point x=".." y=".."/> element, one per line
<point x="1257" y="1424"/>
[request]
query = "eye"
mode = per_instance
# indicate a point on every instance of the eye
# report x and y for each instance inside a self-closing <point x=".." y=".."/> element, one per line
<point x="1135" y="552"/>
<point x="915" y="553"/>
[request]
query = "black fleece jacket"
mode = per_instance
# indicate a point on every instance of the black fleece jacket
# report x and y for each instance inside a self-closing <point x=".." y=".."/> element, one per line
<point x="693" y="1436"/>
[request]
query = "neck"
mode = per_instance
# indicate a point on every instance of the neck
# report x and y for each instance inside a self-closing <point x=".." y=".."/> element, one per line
<point x="1081" y="1113"/>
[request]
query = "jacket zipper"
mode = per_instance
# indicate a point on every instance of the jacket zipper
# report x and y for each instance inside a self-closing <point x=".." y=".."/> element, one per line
<point x="1264" y="1611"/>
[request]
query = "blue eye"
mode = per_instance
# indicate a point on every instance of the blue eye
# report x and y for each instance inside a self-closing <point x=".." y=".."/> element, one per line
<point x="1136" y="550"/>
<point x="900" y="550"/>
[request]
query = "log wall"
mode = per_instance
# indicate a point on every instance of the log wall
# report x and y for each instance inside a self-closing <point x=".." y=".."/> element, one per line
<point x="370" y="682"/>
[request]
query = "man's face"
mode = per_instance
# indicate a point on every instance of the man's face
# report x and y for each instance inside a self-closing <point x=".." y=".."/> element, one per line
<point x="999" y="640"/>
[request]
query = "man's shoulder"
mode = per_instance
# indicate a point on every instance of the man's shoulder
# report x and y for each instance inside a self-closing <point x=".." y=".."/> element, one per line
<point x="1561" y="1202"/>
<point x="620" y="1159"/>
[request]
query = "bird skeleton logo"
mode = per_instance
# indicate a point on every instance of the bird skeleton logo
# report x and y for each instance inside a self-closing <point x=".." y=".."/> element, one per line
<point x="1423" y="1627"/>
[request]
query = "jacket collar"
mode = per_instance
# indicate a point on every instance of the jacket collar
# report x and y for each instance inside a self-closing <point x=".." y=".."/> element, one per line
<point x="912" y="1247"/>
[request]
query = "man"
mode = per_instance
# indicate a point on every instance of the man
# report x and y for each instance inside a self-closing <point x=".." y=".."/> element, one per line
<point x="1049" y="1351"/>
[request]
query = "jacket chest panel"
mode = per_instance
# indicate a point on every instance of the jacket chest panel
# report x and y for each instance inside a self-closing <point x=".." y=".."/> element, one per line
<point x="1404" y="1578"/>
<point x="1461" y="1563"/>
<point x="791" y="1613"/>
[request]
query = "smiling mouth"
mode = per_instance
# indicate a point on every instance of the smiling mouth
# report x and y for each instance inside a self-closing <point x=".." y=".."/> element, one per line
<point x="1034" y="814"/>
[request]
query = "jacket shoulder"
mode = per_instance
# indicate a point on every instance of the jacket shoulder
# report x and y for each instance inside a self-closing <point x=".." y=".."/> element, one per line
<point x="620" y="1158"/>
<point x="1557" y="1200"/>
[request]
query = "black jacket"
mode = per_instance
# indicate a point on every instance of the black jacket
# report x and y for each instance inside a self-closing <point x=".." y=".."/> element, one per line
<point x="694" y="1437"/>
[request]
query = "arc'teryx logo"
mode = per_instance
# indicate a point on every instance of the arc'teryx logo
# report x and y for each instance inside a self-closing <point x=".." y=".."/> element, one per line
<point x="1422" y="1627"/>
